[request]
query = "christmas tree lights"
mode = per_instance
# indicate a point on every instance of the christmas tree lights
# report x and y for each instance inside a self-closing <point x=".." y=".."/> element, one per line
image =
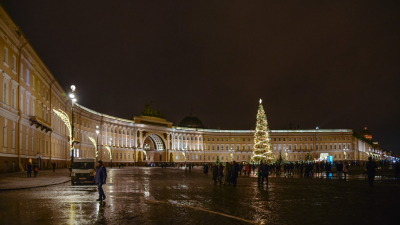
<point x="262" y="143"/>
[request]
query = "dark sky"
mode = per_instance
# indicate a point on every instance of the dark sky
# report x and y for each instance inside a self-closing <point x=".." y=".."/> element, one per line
<point x="332" y="64"/>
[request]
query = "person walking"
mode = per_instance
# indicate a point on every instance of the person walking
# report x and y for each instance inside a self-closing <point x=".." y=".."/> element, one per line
<point x="220" y="173"/>
<point x="339" y="170"/>
<point x="248" y="168"/>
<point x="396" y="170"/>
<point x="259" y="172"/>
<point x="54" y="167"/>
<point x="205" y="169"/>
<point x="254" y="168"/>
<point x="264" y="174"/>
<point x="214" y="171"/>
<point x="345" y="169"/>
<point x="228" y="174"/>
<point x="370" y="166"/>
<point x="29" y="170"/>
<point x="235" y="173"/>
<point x="35" y="169"/>
<point x="100" y="178"/>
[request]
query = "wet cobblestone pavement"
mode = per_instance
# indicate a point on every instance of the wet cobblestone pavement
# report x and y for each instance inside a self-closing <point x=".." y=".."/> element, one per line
<point x="171" y="196"/>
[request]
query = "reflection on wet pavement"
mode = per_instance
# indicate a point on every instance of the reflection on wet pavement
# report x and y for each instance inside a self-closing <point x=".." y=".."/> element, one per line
<point x="173" y="196"/>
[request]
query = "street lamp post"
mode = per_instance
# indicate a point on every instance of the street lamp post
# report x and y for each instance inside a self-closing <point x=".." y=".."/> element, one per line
<point x="73" y="100"/>
<point x="231" y="151"/>
<point x="111" y="153"/>
<point x="97" y="143"/>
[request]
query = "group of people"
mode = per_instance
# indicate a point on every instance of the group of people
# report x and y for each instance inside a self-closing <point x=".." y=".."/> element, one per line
<point x="29" y="168"/>
<point x="231" y="173"/>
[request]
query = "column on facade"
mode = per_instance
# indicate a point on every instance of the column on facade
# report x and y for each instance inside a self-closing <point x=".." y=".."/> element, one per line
<point x="135" y="138"/>
<point x="141" y="139"/>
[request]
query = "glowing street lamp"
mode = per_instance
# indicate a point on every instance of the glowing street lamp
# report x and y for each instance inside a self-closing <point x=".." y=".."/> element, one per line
<point x="231" y="151"/>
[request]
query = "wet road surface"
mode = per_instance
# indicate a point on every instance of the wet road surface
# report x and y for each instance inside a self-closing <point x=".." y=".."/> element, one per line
<point x="171" y="196"/>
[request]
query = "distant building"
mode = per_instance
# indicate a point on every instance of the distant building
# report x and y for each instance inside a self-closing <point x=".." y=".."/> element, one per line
<point x="31" y="132"/>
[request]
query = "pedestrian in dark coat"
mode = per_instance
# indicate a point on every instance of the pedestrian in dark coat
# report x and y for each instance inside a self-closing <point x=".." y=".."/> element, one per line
<point x="100" y="178"/>
<point x="371" y="166"/>
<point x="264" y="173"/>
<point x="29" y="170"/>
<point x="205" y="169"/>
<point x="259" y="172"/>
<point x="235" y="173"/>
<point x="339" y="169"/>
<point x="54" y="167"/>
<point x="220" y="173"/>
<point x="254" y="168"/>
<point x="396" y="170"/>
<point x="35" y="169"/>
<point x="214" y="171"/>
<point x="228" y="174"/>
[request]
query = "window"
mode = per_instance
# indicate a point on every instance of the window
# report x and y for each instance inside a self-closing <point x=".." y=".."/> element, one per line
<point x="290" y="139"/>
<point x="222" y="139"/>
<point x="237" y="147"/>
<point x="217" y="139"/>
<point x="217" y="147"/>
<point x="305" y="139"/>
<point x="310" y="139"/>
<point x="340" y="156"/>
<point x="222" y="147"/>
<point x="13" y="98"/>
<point x="316" y="147"/>
<point x="27" y="76"/>
<point x="5" y="137"/>
<point x="335" y="156"/>
<point x="249" y="139"/>
<point x="274" y="139"/>
<point x="326" y="147"/>
<point x="295" y="139"/>
<point x="33" y="82"/>
<point x="279" y="139"/>
<point x="330" y="146"/>
<point x="244" y="139"/>
<point x="301" y="139"/>
<point x="14" y="63"/>
<point x="5" y="93"/>
<point x="284" y="139"/>
<point x="6" y="56"/>
<point x="290" y="146"/>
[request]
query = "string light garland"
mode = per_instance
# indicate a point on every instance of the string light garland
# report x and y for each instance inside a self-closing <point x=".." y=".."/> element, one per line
<point x="262" y="142"/>
<point x="109" y="150"/>
<point x="65" y="119"/>
<point x="95" y="146"/>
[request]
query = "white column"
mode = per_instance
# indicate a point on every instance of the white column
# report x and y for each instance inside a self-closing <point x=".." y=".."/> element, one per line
<point x="168" y="140"/>
<point x="135" y="138"/>
<point x="140" y="138"/>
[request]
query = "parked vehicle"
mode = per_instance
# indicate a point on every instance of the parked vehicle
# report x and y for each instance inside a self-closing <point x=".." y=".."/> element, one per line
<point x="83" y="170"/>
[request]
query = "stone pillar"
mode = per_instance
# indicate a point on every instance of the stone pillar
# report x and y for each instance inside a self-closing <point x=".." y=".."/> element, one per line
<point x="140" y="138"/>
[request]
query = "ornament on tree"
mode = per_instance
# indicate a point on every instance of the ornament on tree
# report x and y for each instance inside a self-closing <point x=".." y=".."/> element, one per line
<point x="262" y="143"/>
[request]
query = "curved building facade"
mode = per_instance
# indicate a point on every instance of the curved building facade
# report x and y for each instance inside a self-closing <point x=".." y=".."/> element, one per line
<point x="31" y="132"/>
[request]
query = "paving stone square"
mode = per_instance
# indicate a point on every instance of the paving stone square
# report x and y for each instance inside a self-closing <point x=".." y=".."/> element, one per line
<point x="143" y="195"/>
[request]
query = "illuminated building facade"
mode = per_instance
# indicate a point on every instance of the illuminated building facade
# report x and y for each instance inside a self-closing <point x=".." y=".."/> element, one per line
<point x="32" y="132"/>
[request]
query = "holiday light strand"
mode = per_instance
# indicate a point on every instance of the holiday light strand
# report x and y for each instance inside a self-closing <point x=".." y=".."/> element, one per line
<point x="95" y="145"/>
<point x="109" y="150"/>
<point x="64" y="117"/>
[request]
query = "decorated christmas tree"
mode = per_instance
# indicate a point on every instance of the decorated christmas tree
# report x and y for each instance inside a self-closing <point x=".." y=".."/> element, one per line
<point x="262" y="143"/>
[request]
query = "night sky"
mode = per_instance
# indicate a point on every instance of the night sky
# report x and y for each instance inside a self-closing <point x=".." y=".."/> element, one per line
<point x="332" y="64"/>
